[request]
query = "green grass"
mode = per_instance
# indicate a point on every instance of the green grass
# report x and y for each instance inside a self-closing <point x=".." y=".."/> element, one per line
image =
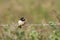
<point x="36" y="12"/>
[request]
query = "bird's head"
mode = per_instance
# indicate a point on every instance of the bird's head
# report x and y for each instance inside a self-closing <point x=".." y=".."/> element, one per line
<point x="22" y="19"/>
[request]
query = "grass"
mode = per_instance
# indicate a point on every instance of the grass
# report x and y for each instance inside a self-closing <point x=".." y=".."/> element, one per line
<point x="36" y="12"/>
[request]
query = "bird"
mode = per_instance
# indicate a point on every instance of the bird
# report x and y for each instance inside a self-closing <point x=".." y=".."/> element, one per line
<point x="21" y="22"/>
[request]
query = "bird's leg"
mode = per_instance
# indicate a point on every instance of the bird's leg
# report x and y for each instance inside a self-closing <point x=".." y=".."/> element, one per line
<point x="19" y="26"/>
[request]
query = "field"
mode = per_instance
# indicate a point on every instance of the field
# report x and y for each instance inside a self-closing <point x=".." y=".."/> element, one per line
<point x="35" y="12"/>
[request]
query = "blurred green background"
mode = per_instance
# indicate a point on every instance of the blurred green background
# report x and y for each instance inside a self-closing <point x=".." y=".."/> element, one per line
<point x="35" y="12"/>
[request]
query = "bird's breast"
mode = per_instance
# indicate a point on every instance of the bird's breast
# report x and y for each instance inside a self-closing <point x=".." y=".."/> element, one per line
<point x="20" y="22"/>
